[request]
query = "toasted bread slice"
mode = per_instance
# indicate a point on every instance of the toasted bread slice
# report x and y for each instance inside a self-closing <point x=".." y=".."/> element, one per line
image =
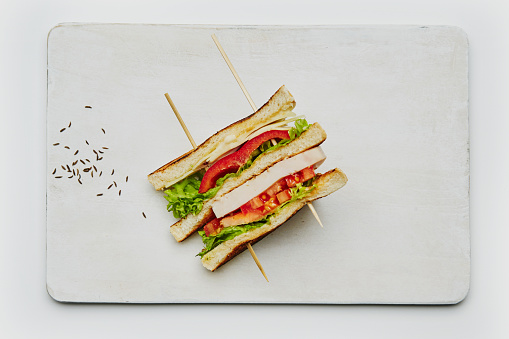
<point x="312" y="137"/>
<point x="230" y="137"/>
<point x="326" y="184"/>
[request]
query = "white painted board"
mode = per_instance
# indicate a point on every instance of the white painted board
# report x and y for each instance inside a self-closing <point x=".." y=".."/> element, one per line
<point x="393" y="100"/>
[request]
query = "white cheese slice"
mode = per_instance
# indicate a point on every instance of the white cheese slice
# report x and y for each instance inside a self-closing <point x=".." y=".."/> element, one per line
<point x="250" y="189"/>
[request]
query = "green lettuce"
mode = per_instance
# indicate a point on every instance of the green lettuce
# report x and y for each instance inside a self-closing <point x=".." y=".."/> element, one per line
<point x="183" y="197"/>
<point x="228" y="233"/>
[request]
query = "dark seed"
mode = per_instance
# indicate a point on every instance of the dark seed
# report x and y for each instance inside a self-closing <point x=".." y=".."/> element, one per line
<point x="69" y="124"/>
<point x="87" y="142"/>
<point x="92" y="173"/>
<point x="63" y="167"/>
<point x="103" y="130"/>
<point x="112" y="171"/>
<point x="54" y="171"/>
<point x="99" y="194"/>
<point x="115" y="184"/>
<point x="126" y="178"/>
<point x="94" y="151"/>
<point x="95" y="168"/>
<point x="86" y="169"/>
<point x="80" y="181"/>
<point x="101" y="158"/>
<point x="82" y="162"/>
<point x="67" y="147"/>
<point x="88" y="106"/>
<point x="87" y="160"/>
<point x="76" y="152"/>
<point x="105" y="147"/>
<point x="144" y="216"/>
<point x="101" y="173"/>
<point x="68" y="169"/>
<point x="73" y="172"/>
<point x="119" y="192"/>
<point x="56" y="144"/>
<point x="58" y="177"/>
<point x="70" y="177"/>
<point x="100" y="151"/>
<point x="63" y="129"/>
<point x="110" y="186"/>
<point x="74" y="163"/>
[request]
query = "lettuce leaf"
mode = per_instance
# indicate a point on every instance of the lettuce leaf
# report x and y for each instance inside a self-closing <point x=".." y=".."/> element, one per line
<point x="183" y="197"/>
<point x="228" y="233"/>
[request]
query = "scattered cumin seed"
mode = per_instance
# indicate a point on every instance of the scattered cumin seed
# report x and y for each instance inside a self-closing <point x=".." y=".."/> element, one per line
<point x="56" y="144"/>
<point x="101" y="158"/>
<point x="76" y="152"/>
<point x="58" y="177"/>
<point x="92" y="174"/>
<point x="144" y="216"/>
<point x="73" y="172"/>
<point x="82" y="162"/>
<point x="126" y="178"/>
<point x="119" y="192"/>
<point x="112" y="171"/>
<point x="105" y="147"/>
<point x="88" y="106"/>
<point x="74" y="163"/>
<point x="68" y="169"/>
<point x="103" y="130"/>
<point x="100" y="173"/>
<point x="63" y="167"/>
<point x="99" y="194"/>
<point x="100" y="151"/>
<point x="94" y="151"/>
<point x="115" y="183"/>
<point x="95" y="168"/>
<point x="63" y="129"/>
<point x="54" y="171"/>
<point x="69" y="124"/>
<point x="80" y="180"/>
<point x="110" y="186"/>
<point x="67" y="147"/>
<point x="86" y="169"/>
<point x="87" y="160"/>
<point x="70" y="177"/>
<point x="87" y="142"/>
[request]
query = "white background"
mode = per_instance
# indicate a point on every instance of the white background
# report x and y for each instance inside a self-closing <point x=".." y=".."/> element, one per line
<point x="27" y="311"/>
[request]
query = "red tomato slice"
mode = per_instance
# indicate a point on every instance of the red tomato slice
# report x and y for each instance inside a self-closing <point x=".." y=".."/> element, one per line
<point x="212" y="228"/>
<point x="241" y="218"/>
<point x="307" y="173"/>
<point x="251" y="205"/>
<point x="284" y="196"/>
<point x="231" y="163"/>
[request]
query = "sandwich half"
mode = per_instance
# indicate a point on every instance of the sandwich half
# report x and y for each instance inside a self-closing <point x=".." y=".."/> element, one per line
<point x="247" y="179"/>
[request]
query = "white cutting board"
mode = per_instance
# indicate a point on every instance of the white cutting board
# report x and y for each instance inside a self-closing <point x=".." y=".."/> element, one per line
<point x="393" y="100"/>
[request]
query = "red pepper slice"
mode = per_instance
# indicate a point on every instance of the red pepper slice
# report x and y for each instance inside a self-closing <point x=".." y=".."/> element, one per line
<point x="232" y="162"/>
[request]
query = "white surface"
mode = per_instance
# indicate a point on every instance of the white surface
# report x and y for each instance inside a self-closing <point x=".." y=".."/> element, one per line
<point x="27" y="311"/>
<point x="394" y="103"/>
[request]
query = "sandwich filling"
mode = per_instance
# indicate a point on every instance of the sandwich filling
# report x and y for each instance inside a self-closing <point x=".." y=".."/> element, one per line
<point x="251" y="205"/>
<point x="188" y="195"/>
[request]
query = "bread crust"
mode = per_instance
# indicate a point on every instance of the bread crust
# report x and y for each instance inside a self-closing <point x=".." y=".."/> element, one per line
<point x="176" y="169"/>
<point x="325" y="184"/>
<point x="312" y="137"/>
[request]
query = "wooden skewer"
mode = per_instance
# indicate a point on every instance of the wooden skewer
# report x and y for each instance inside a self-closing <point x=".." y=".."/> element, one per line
<point x="253" y="106"/>
<point x="174" y="108"/>
<point x="180" y="119"/>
